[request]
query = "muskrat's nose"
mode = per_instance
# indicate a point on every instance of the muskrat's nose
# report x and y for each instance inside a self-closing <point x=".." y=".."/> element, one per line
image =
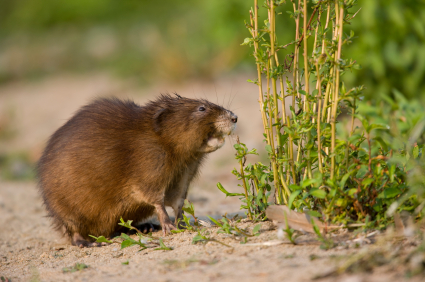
<point x="234" y="118"/>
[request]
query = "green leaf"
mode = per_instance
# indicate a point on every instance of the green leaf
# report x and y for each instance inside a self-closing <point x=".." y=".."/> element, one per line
<point x="382" y="142"/>
<point x="221" y="188"/>
<point x="125" y="263"/>
<point x="392" y="172"/>
<point x="345" y="178"/>
<point x="256" y="229"/>
<point x="126" y="224"/>
<point x="365" y="124"/>
<point x="127" y="243"/>
<point x="247" y="41"/>
<point x="269" y="149"/>
<point x="308" y="182"/>
<point x="321" y="194"/>
<point x="198" y="238"/>
<point x="415" y="151"/>
<point x="101" y="239"/>
<point x="314" y="213"/>
<point x="352" y="191"/>
<point x="292" y="198"/>
<point x="162" y="246"/>
<point x="377" y="126"/>
<point x="294" y="187"/>
<point x="215" y="221"/>
<point x="390" y="193"/>
<point x="367" y="181"/>
<point x="177" y="231"/>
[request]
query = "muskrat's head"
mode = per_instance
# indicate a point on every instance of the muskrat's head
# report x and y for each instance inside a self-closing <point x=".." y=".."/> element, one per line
<point x="193" y="124"/>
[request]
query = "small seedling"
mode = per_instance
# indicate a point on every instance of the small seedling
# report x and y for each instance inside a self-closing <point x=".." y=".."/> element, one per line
<point x="203" y="239"/>
<point x="144" y="241"/>
<point x="227" y="228"/>
<point x="75" y="267"/>
<point x="101" y="239"/>
<point x="327" y="243"/>
<point x="128" y="242"/>
<point x="290" y="233"/>
<point x="162" y="246"/>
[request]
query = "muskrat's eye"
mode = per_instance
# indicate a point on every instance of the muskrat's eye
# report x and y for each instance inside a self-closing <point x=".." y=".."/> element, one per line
<point x="201" y="109"/>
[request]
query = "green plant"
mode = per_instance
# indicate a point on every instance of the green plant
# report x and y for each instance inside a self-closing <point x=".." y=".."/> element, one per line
<point x="76" y="267"/>
<point x="203" y="238"/>
<point x="225" y="226"/>
<point x="255" y="182"/>
<point x="290" y="233"/>
<point x="185" y="224"/>
<point x="326" y="242"/>
<point x="320" y="160"/>
<point x="144" y="240"/>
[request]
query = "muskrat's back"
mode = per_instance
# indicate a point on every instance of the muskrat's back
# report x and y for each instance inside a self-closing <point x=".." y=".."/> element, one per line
<point x="116" y="159"/>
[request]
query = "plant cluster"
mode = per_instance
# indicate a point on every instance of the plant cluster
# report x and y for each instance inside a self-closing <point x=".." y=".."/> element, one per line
<point x="329" y="150"/>
<point x="144" y="240"/>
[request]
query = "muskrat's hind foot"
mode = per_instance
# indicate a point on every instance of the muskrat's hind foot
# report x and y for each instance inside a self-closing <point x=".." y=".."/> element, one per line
<point x="147" y="227"/>
<point x="79" y="241"/>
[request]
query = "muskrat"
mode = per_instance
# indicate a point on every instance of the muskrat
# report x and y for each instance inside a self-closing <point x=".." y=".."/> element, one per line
<point x="115" y="159"/>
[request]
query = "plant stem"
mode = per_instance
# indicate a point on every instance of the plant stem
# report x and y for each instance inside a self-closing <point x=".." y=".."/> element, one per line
<point x="260" y="82"/>
<point x="248" y="202"/>
<point x="319" y="133"/>
<point x="307" y="86"/>
<point x="339" y="29"/>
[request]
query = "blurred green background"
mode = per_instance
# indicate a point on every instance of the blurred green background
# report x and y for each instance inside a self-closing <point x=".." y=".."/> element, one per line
<point x="178" y="40"/>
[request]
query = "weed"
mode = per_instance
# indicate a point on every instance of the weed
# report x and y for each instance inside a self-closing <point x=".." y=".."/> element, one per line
<point x="290" y="233"/>
<point x="76" y="267"/>
<point x="202" y="238"/>
<point x="162" y="246"/>
<point x="326" y="242"/>
<point x="144" y="240"/>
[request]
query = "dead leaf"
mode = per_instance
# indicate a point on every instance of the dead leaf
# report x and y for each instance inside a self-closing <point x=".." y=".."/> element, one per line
<point x="296" y="220"/>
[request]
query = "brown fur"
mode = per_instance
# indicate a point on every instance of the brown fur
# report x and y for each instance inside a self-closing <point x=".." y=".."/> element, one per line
<point x="115" y="159"/>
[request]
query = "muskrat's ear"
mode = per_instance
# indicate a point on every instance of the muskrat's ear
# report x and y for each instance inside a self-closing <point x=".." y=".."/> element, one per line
<point x="158" y="118"/>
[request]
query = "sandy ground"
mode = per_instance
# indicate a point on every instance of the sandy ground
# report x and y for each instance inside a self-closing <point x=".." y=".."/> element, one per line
<point x="31" y="251"/>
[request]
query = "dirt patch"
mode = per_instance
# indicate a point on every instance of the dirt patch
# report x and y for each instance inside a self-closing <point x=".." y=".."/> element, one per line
<point x="31" y="251"/>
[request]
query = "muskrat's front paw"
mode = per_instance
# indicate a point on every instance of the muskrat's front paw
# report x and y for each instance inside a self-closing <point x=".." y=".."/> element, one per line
<point x="167" y="227"/>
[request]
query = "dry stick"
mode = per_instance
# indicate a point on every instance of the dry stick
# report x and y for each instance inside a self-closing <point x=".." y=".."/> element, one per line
<point x="308" y="26"/>
<point x="335" y="98"/>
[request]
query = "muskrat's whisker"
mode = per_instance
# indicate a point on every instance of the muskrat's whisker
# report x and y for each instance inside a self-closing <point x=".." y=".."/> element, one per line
<point x="232" y="100"/>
